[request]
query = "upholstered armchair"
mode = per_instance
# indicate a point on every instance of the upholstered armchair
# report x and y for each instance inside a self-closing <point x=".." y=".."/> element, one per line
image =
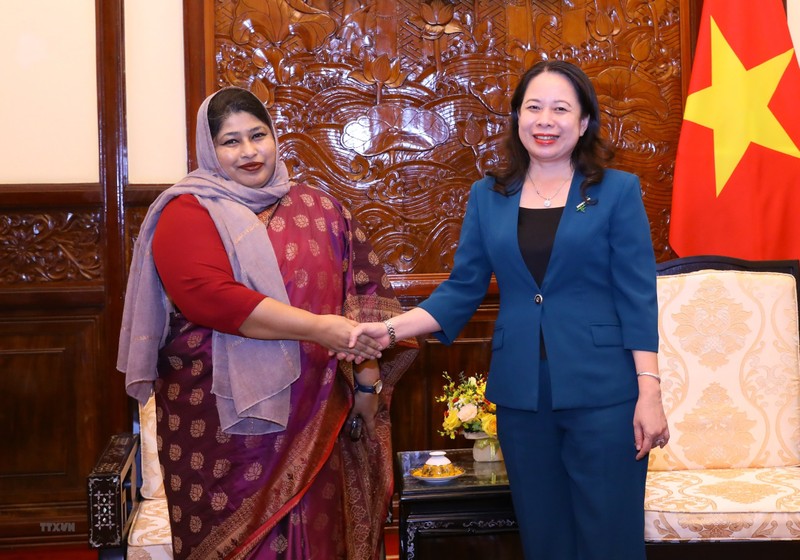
<point x="127" y="504"/>
<point x="728" y="483"/>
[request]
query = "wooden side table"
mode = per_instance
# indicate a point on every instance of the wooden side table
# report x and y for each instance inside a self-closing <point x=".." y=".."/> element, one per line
<point x="471" y="515"/>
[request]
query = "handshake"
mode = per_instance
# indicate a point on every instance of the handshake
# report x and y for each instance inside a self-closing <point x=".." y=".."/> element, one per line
<point x="356" y="342"/>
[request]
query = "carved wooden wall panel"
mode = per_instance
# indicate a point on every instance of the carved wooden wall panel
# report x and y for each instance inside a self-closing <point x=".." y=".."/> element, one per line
<point x="47" y="375"/>
<point x="52" y="247"/>
<point x="52" y="294"/>
<point x="396" y="108"/>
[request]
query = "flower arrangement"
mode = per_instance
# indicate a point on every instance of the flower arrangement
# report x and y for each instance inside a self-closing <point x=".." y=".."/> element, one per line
<point x="467" y="408"/>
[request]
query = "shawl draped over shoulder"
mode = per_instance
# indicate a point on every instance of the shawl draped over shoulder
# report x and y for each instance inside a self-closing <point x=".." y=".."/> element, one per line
<point x="248" y="401"/>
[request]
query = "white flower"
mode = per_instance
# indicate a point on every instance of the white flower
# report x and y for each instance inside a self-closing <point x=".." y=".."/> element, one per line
<point x="467" y="412"/>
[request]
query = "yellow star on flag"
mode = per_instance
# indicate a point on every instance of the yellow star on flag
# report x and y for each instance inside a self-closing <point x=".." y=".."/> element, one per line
<point x="736" y="106"/>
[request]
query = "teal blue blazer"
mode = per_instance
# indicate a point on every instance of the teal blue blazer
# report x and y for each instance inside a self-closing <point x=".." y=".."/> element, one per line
<point x="597" y="301"/>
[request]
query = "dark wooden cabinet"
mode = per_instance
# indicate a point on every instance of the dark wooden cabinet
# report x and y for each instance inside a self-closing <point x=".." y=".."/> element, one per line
<point x="471" y="516"/>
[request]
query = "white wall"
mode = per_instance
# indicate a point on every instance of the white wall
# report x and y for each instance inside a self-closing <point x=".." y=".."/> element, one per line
<point x="48" y="91"/>
<point x="155" y="97"/>
<point x="48" y="100"/>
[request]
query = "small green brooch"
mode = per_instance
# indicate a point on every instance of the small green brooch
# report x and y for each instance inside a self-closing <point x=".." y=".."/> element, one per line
<point x="582" y="206"/>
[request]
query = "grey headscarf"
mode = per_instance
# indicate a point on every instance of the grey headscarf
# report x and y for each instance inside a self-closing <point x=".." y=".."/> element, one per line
<point x="250" y="399"/>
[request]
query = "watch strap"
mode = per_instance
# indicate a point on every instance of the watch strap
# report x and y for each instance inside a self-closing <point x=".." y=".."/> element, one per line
<point x="365" y="388"/>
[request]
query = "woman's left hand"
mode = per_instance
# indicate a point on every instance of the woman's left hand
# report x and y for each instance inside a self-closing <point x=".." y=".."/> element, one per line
<point x="365" y="405"/>
<point x="650" y="427"/>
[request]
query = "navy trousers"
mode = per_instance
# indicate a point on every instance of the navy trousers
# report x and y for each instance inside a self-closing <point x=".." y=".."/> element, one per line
<point x="577" y="489"/>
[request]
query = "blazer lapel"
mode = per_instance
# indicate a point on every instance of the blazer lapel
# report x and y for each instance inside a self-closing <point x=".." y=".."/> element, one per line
<point x="569" y="219"/>
<point x="508" y="251"/>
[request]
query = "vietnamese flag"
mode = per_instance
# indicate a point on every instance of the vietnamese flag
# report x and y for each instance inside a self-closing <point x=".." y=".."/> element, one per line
<point x="737" y="171"/>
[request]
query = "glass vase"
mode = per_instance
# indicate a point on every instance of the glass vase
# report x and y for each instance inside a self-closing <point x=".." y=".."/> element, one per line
<point x="485" y="448"/>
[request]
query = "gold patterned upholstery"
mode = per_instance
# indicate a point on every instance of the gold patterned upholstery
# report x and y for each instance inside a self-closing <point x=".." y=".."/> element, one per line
<point x="730" y="368"/>
<point x="150" y="536"/>
<point x="152" y="480"/>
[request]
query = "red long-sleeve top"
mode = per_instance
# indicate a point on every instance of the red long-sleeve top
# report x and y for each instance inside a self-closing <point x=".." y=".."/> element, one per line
<point x="195" y="270"/>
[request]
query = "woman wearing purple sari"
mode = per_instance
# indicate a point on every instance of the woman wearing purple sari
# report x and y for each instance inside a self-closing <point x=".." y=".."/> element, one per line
<point x="244" y="286"/>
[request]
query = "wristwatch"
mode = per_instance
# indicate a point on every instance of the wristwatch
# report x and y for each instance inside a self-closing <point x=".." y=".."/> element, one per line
<point x="375" y="388"/>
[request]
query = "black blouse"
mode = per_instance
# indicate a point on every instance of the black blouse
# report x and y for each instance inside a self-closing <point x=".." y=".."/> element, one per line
<point x="536" y="232"/>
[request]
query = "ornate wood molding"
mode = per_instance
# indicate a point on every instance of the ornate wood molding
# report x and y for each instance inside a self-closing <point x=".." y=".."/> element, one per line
<point x="396" y="108"/>
<point x="56" y="246"/>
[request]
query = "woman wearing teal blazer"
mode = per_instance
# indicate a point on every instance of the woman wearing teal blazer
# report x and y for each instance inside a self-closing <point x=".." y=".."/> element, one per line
<point x="574" y="370"/>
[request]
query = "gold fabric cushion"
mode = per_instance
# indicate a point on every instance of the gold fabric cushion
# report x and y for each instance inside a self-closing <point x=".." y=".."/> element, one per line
<point x="150" y="536"/>
<point x="723" y="504"/>
<point x="152" y="479"/>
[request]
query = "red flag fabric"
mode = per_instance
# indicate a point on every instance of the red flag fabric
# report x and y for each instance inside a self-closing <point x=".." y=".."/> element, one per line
<point x="737" y="173"/>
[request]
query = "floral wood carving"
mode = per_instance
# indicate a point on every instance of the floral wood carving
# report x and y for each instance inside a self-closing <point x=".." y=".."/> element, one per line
<point x="392" y="127"/>
<point x="396" y="108"/>
<point x="59" y="246"/>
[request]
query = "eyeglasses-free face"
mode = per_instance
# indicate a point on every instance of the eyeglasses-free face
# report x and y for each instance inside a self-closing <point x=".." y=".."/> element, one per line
<point x="246" y="150"/>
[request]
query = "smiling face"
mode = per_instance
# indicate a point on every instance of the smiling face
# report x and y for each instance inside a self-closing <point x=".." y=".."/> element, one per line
<point x="550" y="120"/>
<point x="245" y="148"/>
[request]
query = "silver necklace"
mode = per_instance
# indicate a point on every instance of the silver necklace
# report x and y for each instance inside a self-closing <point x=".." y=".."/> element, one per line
<point x="548" y="200"/>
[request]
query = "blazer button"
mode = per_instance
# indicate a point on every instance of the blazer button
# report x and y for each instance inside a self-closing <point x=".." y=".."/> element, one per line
<point x="538" y="298"/>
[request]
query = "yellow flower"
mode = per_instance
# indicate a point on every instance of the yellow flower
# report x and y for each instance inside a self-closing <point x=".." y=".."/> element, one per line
<point x="467" y="407"/>
<point x="451" y="422"/>
<point x="489" y="424"/>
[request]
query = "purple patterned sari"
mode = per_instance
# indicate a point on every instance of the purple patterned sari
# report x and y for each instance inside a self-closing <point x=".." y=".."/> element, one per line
<point x="308" y="491"/>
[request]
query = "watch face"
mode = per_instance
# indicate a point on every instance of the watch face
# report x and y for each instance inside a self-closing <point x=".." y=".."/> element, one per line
<point x="375" y="388"/>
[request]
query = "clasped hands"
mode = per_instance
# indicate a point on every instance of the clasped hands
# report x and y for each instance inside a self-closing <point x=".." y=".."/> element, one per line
<point x="353" y="341"/>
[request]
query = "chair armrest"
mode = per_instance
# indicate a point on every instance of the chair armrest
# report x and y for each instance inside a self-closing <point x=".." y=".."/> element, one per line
<point x="113" y="491"/>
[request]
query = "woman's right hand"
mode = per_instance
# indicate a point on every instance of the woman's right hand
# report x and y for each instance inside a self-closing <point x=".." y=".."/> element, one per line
<point x="337" y="334"/>
<point x="274" y="320"/>
<point x="376" y="331"/>
<point x="406" y="325"/>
